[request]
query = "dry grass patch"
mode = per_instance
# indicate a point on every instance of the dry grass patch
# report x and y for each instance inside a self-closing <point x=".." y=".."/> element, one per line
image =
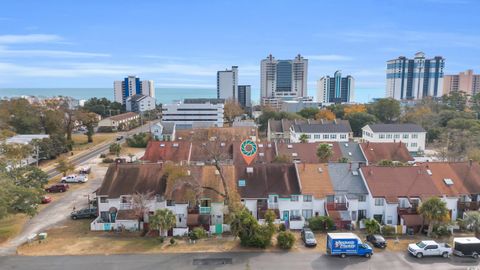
<point x="80" y="140"/>
<point x="11" y="226"/>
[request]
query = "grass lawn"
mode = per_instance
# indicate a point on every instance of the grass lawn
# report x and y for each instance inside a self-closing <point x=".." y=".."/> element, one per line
<point x="11" y="226"/>
<point x="80" y="140"/>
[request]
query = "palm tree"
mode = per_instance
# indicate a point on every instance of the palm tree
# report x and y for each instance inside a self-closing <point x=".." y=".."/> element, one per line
<point x="324" y="152"/>
<point x="163" y="220"/>
<point x="303" y="138"/>
<point x="472" y="222"/>
<point x="64" y="166"/>
<point x="372" y="226"/>
<point x="434" y="211"/>
<point x="115" y="148"/>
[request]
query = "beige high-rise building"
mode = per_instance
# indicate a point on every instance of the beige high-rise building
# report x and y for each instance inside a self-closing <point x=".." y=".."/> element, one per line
<point x="464" y="81"/>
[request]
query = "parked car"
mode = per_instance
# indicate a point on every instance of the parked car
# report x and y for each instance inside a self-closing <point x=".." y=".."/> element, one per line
<point x="308" y="237"/>
<point x="377" y="240"/>
<point x="429" y="248"/>
<point x="46" y="199"/>
<point x="344" y="244"/>
<point x="85" y="170"/>
<point x="119" y="138"/>
<point x="58" y="188"/>
<point x="74" y="178"/>
<point x="84" y="213"/>
<point x="466" y="246"/>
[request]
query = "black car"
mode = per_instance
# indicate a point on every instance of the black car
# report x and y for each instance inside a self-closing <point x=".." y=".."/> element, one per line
<point x="84" y="213"/>
<point x="308" y="237"/>
<point x="377" y="240"/>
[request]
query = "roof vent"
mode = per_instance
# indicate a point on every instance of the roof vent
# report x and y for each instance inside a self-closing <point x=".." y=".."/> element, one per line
<point x="162" y="145"/>
<point x="222" y="144"/>
<point x="429" y="172"/>
<point x="346" y="145"/>
<point x="294" y="155"/>
<point x="354" y="172"/>
<point x="289" y="146"/>
<point x="448" y="181"/>
<point x="260" y="145"/>
<point x="175" y="145"/>
<point x="249" y="169"/>
<point x="180" y="138"/>
<point x="349" y="153"/>
<point x="269" y="145"/>
<point x="217" y="172"/>
<point x="371" y="149"/>
<point x="261" y="154"/>
<point x="320" y="169"/>
<point x="188" y="172"/>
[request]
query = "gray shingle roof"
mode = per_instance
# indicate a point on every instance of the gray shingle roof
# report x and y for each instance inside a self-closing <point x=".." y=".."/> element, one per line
<point x="352" y="151"/>
<point x="344" y="181"/>
<point x="396" y="128"/>
<point x="167" y="128"/>
<point x="322" y="128"/>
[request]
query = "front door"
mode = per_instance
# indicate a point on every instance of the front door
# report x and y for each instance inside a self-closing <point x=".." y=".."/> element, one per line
<point x="286" y="215"/>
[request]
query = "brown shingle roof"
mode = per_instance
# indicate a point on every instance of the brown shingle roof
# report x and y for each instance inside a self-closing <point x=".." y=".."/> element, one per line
<point x="470" y="173"/>
<point x="280" y="179"/>
<point x="167" y="151"/>
<point x="315" y="179"/>
<point x="394" y="182"/>
<point x="128" y="179"/>
<point x="440" y="172"/>
<point x="267" y="148"/>
<point x="123" y="116"/>
<point x="306" y="152"/>
<point x="375" y="152"/>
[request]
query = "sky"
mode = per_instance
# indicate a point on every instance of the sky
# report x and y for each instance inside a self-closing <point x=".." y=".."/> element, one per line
<point x="183" y="43"/>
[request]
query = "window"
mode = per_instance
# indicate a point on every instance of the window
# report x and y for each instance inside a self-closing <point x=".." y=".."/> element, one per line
<point x="343" y="136"/>
<point x="103" y="200"/>
<point x="389" y="219"/>
<point x="414" y="136"/>
<point x="307" y="213"/>
<point x="389" y="136"/>
<point x="413" y="144"/>
<point x="317" y="136"/>
<point x="381" y="136"/>
<point x="354" y="215"/>
<point x="307" y="198"/>
<point x="294" y="198"/>
<point x="405" y="136"/>
<point x="325" y="136"/>
<point x="333" y="136"/>
<point x="362" y="198"/>
<point x="378" y="201"/>
<point x="170" y="203"/>
<point x="396" y="136"/>
<point x="295" y="215"/>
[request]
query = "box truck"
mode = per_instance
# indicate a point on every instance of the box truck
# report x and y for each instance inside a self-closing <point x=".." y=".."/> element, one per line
<point x="466" y="246"/>
<point x="343" y="244"/>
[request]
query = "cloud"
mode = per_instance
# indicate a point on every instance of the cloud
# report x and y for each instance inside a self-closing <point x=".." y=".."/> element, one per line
<point x="4" y="52"/>
<point x="329" y="57"/>
<point x="31" y="38"/>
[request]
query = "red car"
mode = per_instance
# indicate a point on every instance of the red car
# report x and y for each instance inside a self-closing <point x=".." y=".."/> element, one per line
<point x="46" y="199"/>
<point x="57" y="188"/>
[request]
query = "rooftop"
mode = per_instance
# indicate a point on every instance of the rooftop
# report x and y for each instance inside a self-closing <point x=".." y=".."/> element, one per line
<point x="306" y="152"/>
<point x="446" y="179"/>
<point x="26" y="138"/>
<point x="123" y="116"/>
<point x="315" y="180"/>
<point x="346" y="179"/>
<point x="396" y="128"/>
<point x="376" y="152"/>
<point x="330" y="127"/>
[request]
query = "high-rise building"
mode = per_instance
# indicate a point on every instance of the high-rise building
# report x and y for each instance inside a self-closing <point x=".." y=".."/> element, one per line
<point x="336" y="89"/>
<point x="244" y="96"/>
<point x="195" y="113"/>
<point x="130" y="86"/>
<point x="465" y="81"/>
<point x="227" y="83"/>
<point x="283" y="79"/>
<point x="413" y="79"/>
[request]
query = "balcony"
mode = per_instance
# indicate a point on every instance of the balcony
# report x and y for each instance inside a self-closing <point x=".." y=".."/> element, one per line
<point x="333" y="206"/>
<point x="205" y="210"/>
<point x="125" y="206"/>
<point x="407" y="211"/>
<point x="462" y="206"/>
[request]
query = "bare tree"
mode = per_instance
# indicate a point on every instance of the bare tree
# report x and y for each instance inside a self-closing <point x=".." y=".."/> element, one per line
<point x="140" y="205"/>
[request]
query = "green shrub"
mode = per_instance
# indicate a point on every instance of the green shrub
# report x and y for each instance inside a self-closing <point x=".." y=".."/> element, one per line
<point x="321" y="223"/>
<point x="388" y="230"/>
<point x="197" y="233"/>
<point x="139" y="140"/>
<point x="161" y="239"/>
<point x="251" y="234"/>
<point x="440" y="230"/>
<point x="285" y="240"/>
<point x="372" y="226"/>
<point x="107" y="160"/>
<point x="103" y="156"/>
<point x="172" y="241"/>
<point x="282" y="227"/>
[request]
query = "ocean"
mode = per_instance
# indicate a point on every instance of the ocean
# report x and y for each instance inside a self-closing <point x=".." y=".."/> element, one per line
<point x="163" y="95"/>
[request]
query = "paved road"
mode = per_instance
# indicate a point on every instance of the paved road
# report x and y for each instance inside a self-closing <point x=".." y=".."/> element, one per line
<point x="257" y="260"/>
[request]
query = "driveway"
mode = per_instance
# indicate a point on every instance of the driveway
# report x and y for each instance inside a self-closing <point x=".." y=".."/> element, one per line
<point x="58" y="210"/>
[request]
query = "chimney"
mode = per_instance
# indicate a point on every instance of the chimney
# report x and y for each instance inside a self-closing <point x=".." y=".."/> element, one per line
<point x="470" y="162"/>
<point x="349" y="166"/>
<point x="304" y="166"/>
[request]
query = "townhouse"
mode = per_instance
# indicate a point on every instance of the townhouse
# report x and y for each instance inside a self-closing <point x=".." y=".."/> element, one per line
<point x="469" y="173"/>
<point x="413" y="135"/>
<point x="124" y="121"/>
<point x="163" y="131"/>
<point x="305" y="152"/>
<point x="325" y="131"/>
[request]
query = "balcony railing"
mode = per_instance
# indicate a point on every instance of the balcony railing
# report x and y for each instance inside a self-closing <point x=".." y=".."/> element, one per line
<point x="272" y="205"/>
<point x="205" y="210"/>
<point x="407" y="211"/>
<point x="337" y="206"/>
<point x="125" y="206"/>
<point x="468" y="205"/>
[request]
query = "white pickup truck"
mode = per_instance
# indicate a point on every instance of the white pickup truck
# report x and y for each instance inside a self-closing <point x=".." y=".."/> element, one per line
<point x="74" y="178"/>
<point x="429" y="248"/>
